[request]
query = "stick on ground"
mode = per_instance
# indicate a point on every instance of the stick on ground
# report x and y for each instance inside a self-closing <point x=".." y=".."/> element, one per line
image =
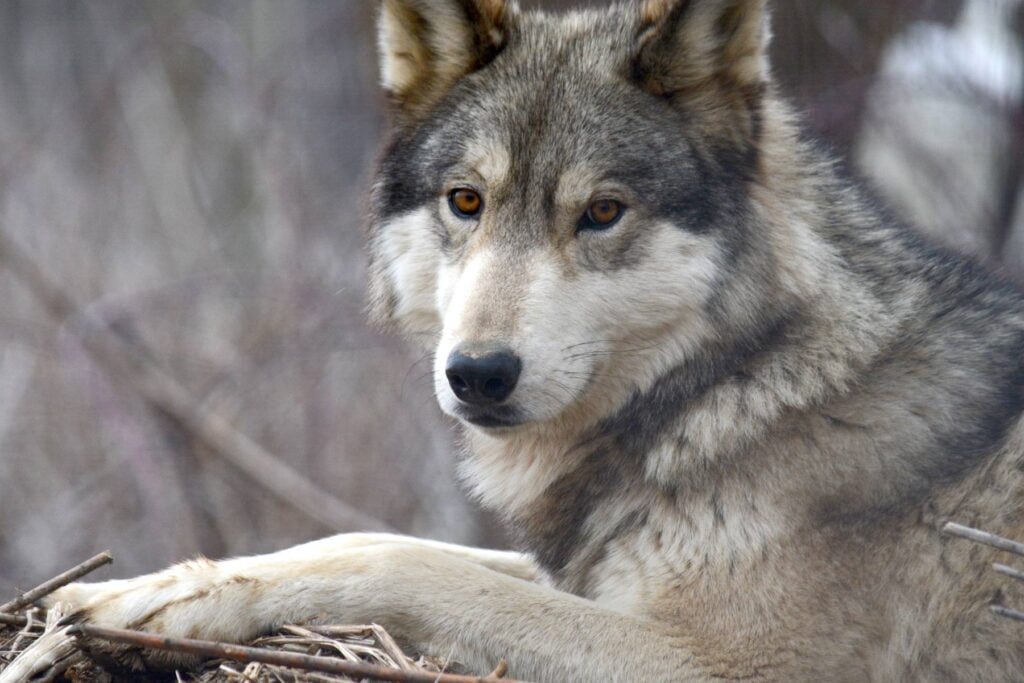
<point x="59" y="581"/>
<point x="13" y="619"/>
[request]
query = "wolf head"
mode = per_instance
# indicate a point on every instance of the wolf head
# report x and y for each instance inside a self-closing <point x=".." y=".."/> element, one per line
<point x="563" y="197"/>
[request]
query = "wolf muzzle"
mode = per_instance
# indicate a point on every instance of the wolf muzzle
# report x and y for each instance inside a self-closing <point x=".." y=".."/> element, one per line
<point x="483" y="376"/>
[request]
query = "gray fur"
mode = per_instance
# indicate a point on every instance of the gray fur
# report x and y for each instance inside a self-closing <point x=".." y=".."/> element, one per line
<point x="895" y="384"/>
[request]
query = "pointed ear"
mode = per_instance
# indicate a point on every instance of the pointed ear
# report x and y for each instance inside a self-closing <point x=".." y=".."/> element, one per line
<point x="707" y="55"/>
<point x="426" y="46"/>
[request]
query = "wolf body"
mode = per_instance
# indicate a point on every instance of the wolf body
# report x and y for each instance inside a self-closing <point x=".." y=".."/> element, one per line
<point x="727" y="422"/>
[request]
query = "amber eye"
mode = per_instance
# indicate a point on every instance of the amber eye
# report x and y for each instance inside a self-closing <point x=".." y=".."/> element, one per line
<point x="465" y="203"/>
<point x="601" y="215"/>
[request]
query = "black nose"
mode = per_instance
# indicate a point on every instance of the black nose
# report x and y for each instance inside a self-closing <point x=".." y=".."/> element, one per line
<point x="483" y="378"/>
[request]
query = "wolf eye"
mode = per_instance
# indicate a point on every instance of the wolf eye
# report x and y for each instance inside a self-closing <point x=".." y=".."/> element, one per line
<point x="601" y="215"/>
<point x="465" y="203"/>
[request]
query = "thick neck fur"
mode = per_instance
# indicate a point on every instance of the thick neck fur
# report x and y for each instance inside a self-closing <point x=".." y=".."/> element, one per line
<point x="790" y="369"/>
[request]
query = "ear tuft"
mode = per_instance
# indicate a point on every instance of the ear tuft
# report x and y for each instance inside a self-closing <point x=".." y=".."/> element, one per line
<point x="683" y="43"/>
<point x="426" y="46"/>
<point x="712" y="54"/>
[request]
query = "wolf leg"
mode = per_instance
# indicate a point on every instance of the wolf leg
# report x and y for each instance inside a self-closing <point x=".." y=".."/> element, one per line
<point x="439" y="598"/>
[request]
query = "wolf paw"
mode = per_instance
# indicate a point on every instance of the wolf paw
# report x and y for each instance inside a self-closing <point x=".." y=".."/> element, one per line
<point x="152" y="602"/>
<point x="170" y="602"/>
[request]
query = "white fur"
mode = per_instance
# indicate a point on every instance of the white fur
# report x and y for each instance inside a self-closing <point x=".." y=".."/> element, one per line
<point x="645" y="321"/>
<point x="409" y="244"/>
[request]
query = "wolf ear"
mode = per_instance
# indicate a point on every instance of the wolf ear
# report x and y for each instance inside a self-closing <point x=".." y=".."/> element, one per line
<point x="707" y="55"/>
<point x="427" y="45"/>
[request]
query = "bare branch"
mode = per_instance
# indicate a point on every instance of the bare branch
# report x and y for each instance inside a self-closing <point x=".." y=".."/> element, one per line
<point x="500" y="670"/>
<point x="59" y="581"/>
<point x="13" y="619"/>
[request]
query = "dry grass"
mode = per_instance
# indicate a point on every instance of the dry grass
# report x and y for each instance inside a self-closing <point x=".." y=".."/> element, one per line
<point x="369" y="644"/>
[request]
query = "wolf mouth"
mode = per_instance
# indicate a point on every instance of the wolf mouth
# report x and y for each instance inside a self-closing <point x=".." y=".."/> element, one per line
<point x="493" y="418"/>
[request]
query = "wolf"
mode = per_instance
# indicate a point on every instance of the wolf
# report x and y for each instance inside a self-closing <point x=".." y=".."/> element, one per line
<point x="725" y="402"/>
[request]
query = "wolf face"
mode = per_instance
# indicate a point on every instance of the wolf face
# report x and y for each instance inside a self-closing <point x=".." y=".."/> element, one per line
<point x="562" y="196"/>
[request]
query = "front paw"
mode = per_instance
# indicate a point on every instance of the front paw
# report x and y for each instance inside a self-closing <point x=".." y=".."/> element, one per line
<point x="57" y="649"/>
<point x="182" y="602"/>
<point x="147" y="602"/>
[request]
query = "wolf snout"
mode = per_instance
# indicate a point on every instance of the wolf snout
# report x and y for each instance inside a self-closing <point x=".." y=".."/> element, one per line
<point x="483" y="376"/>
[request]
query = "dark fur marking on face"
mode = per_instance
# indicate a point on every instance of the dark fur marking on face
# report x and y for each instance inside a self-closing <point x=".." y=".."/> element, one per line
<point x="629" y="251"/>
<point x="630" y="254"/>
<point x="409" y="171"/>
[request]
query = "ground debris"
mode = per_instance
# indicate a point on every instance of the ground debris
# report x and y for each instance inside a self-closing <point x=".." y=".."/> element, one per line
<point x="368" y="644"/>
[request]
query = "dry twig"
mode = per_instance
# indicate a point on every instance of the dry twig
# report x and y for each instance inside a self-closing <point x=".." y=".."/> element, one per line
<point x="32" y="628"/>
<point x="13" y="619"/>
<point x="59" y="581"/>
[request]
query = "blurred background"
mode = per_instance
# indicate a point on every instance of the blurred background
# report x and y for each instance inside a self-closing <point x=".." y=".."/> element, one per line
<point x="191" y="174"/>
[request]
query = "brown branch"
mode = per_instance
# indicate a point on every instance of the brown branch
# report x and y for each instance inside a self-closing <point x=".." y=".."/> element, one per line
<point x="13" y="619"/>
<point x="241" y="653"/>
<point x="500" y="670"/>
<point x="59" y="581"/>
<point x="389" y="646"/>
<point x="984" y="538"/>
<point x="1007" y="612"/>
<point x="120" y="357"/>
